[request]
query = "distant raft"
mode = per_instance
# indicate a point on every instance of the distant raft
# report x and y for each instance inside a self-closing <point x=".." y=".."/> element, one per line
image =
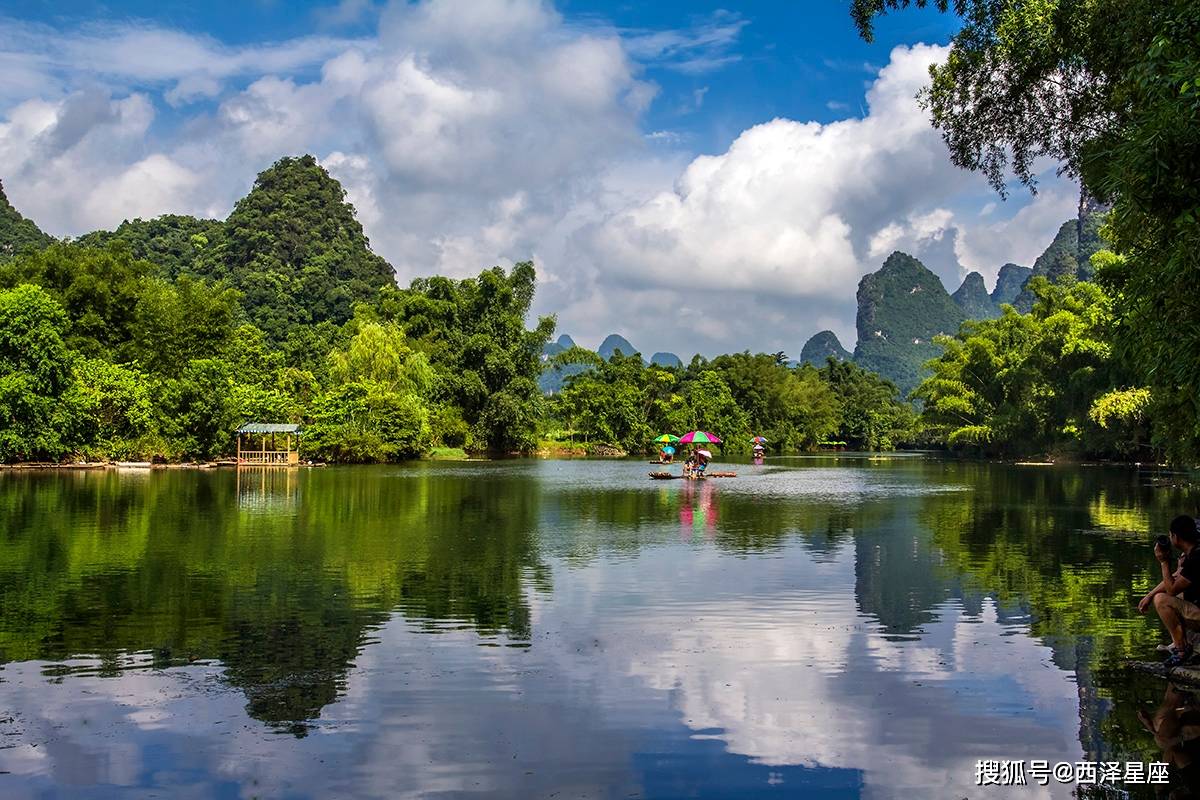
<point x="668" y="476"/>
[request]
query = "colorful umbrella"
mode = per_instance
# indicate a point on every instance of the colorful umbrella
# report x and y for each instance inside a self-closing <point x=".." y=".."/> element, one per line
<point x="668" y="450"/>
<point x="666" y="438"/>
<point x="759" y="439"/>
<point x="705" y="453"/>
<point x="699" y="437"/>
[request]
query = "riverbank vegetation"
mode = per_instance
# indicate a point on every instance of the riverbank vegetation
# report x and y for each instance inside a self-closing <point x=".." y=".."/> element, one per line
<point x="154" y="341"/>
<point x="626" y="402"/>
<point x="106" y="354"/>
<point x="1109" y="91"/>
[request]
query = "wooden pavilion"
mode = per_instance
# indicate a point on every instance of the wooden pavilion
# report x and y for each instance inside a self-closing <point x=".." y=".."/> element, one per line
<point x="272" y="457"/>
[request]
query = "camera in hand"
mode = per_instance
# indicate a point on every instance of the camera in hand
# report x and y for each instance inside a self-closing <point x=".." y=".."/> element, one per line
<point x="1163" y="543"/>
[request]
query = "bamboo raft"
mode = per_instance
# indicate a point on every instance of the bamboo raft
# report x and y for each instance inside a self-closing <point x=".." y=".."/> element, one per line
<point x="670" y="476"/>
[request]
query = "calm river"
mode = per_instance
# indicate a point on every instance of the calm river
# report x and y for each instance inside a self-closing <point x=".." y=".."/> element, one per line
<point x="815" y="628"/>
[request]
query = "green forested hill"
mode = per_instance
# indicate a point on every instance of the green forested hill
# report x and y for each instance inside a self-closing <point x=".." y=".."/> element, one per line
<point x="294" y="249"/>
<point x="1009" y="283"/>
<point x="972" y="297"/>
<point x="900" y="309"/>
<point x="1069" y="255"/>
<point x="16" y="232"/>
<point x="821" y="347"/>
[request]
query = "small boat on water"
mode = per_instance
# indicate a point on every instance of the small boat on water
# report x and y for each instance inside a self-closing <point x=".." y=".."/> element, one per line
<point x="670" y="476"/>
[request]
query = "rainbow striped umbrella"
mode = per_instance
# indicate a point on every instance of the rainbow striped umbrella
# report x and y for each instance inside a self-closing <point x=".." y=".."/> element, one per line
<point x="759" y="440"/>
<point x="699" y="437"/>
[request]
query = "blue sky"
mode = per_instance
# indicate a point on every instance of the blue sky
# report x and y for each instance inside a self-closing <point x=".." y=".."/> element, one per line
<point x="658" y="161"/>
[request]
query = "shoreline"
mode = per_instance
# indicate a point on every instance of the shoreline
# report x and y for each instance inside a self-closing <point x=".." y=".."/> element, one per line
<point x="564" y="453"/>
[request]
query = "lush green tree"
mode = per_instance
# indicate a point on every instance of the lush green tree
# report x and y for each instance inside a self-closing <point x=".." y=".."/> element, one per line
<point x="618" y="401"/>
<point x="176" y="323"/>
<point x="98" y="288"/>
<point x="709" y="406"/>
<point x="1109" y="89"/>
<point x="376" y="407"/>
<point x="487" y="361"/>
<point x="110" y="411"/>
<point x="367" y="422"/>
<point x="1028" y="383"/>
<point x="35" y="370"/>
<point x="381" y="354"/>
<point x="806" y="411"/>
<point x="871" y="414"/>
<point x="197" y="412"/>
<point x="252" y="357"/>
<point x="794" y="408"/>
<point x="174" y="243"/>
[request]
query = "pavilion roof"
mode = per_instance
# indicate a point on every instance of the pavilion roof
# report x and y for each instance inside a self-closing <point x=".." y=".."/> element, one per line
<point x="269" y="427"/>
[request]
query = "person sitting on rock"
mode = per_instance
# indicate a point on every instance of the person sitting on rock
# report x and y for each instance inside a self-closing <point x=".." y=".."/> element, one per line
<point x="1175" y="598"/>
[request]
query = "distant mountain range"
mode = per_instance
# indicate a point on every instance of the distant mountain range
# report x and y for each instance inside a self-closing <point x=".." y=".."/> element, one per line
<point x="552" y="380"/>
<point x="903" y="305"/>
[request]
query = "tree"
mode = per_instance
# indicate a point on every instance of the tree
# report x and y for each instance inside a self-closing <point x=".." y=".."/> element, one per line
<point x="1108" y="89"/>
<point x="35" y="369"/>
<point x="807" y="411"/>
<point x="871" y="414"/>
<point x="380" y="354"/>
<point x="376" y="407"/>
<point x="1026" y="383"/>
<point x="615" y="401"/>
<point x="794" y="408"/>
<point x="709" y="406"/>
<point x="487" y="361"/>
<point x="197" y="411"/>
<point x="174" y="243"/>
<point x="110" y="410"/>
<point x="358" y="422"/>
<point x="178" y="323"/>
<point x="98" y="288"/>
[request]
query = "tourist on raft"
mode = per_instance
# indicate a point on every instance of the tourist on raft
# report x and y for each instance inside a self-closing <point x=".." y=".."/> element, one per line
<point x="1175" y="598"/>
<point x="667" y="454"/>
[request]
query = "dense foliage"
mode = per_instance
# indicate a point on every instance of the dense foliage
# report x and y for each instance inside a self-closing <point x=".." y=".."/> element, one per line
<point x="487" y="363"/>
<point x="1036" y="383"/>
<point x="623" y="401"/>
<point x="1108" y="89"/>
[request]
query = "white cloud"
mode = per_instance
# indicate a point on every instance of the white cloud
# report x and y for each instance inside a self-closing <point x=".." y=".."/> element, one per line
<point x="125" y="55"/>
<point x="704" y="47"/>
<point x="346" y="13"/>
